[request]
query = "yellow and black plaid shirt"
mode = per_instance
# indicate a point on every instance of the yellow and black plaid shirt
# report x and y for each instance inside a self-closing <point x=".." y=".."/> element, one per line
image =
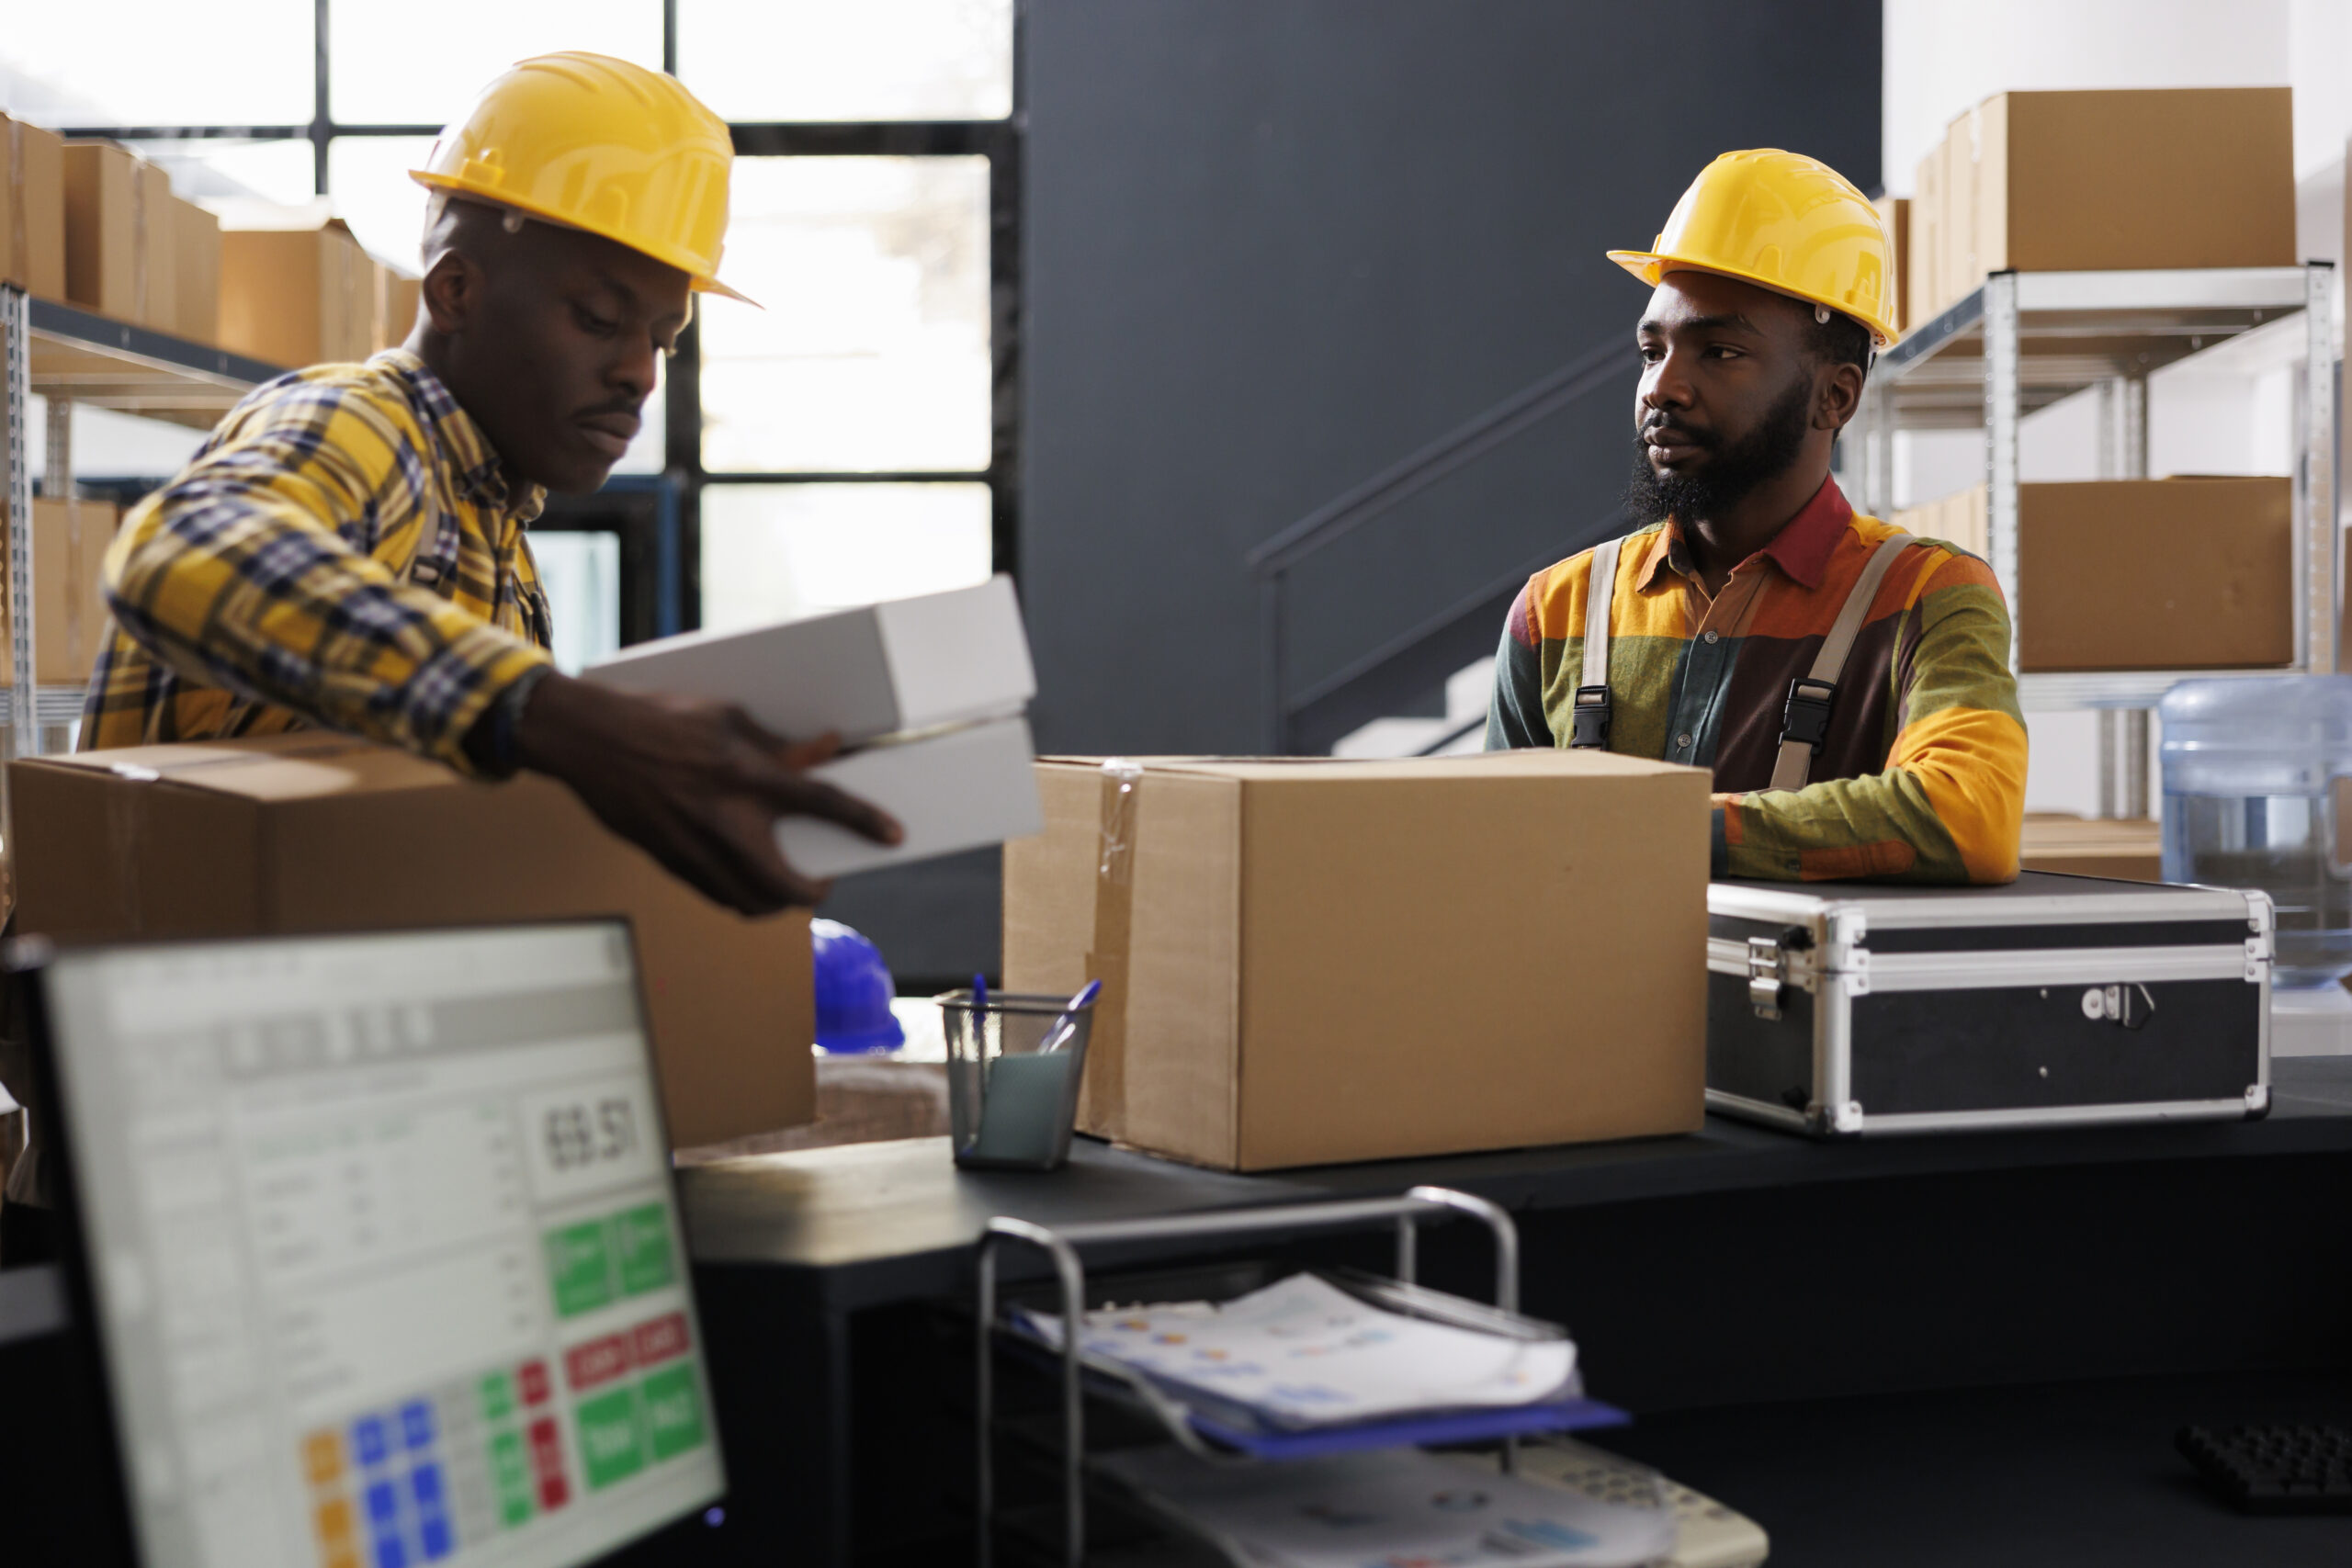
<point x="344" y="552"/>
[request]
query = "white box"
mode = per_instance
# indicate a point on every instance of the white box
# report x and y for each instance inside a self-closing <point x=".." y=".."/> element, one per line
<point x="888" y="669"/>
<point x="958" y="789"/>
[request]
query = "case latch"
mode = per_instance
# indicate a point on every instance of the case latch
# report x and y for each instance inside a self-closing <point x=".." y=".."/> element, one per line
<point x="1768" y="975"/>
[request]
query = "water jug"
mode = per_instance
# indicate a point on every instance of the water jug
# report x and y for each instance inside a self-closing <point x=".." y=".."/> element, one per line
<point x="2258" y="776"/>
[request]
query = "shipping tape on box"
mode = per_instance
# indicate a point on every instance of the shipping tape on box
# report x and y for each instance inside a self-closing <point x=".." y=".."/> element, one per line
<point x="1105" y="1087"/>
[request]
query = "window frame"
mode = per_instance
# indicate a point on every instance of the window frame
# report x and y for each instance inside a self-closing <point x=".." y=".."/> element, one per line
<point x="677" y="594"/>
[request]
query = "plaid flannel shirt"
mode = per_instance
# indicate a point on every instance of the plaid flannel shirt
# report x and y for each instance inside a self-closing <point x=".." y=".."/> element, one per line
<point x="344" y="552"/>
<point x="1922" y="777"/>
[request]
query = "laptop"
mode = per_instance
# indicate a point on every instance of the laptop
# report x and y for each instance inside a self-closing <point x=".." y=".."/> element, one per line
<point x="375" y="1241"/>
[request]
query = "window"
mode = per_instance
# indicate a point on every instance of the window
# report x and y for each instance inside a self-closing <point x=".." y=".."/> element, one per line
<point x="852" y="440"/>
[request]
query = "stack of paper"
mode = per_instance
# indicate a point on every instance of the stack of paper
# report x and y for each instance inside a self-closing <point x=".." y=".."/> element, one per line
<point x="1391" y="1506"/>
<point x="1305" y="1354"/>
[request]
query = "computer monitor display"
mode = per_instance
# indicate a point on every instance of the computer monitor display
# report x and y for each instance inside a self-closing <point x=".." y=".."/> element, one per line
<point x="384" y="1255"/>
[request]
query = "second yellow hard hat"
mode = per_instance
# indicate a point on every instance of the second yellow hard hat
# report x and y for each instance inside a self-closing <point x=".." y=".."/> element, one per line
<point x="1782" y="221"/>
<point x="600" y="144"/>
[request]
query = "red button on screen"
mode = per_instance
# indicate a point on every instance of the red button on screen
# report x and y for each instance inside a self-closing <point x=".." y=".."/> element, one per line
<point x="661" y="1339"/>
<point x="534" y="1381"/>
<point x="598" y="1361"/>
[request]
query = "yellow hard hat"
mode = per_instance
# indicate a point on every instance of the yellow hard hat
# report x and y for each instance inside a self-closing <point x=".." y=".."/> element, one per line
<point x="1785" y="222"/>
<point x="597" y="144"/>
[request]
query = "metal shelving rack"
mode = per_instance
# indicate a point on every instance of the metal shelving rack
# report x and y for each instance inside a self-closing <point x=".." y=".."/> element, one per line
<point x="2024" y="340"/>
<point x="70" y="356"/>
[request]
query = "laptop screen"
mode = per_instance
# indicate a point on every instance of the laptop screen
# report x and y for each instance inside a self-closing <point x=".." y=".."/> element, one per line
<point x="386" y="1262"/>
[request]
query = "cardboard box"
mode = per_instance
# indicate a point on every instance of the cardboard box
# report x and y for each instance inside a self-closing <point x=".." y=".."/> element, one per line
<point x="70" y="541"/>
<point x="1923" y="292"/>
<point x="297" y="297"/>
<point x="32" y="230"/>
<point x="2121" y="179"/>
<point x="2189" y="573"/>
<point x="319" y="832"/>
<point x="888" y="669"/>
<point x="1311" y="960"/>
<point x="964" y="788"/>
<point x="2132" y="850"/>
<point x="114" y="230"/>
<point x="1895" y="213"/>
<point x="196" y="268"/>
<point x="396" y="300"/>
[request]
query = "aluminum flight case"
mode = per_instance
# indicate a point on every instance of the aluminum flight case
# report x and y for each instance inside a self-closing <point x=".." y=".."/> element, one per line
<point x="1838" y="1009"/>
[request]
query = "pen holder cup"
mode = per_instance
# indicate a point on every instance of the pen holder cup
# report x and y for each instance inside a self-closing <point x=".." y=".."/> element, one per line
<point x="1010" y="1106"/>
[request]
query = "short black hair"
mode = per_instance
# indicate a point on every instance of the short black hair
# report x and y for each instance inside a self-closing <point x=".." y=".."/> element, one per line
<point x="1840" y="340"/>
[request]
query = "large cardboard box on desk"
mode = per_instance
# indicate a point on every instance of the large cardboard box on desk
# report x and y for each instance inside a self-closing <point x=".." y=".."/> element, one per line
<point x="319" y="832"/>
<point x="1308" y="961"/>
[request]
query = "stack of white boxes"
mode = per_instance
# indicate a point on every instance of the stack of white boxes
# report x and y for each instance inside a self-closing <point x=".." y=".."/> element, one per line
<point x="928" y="696"/>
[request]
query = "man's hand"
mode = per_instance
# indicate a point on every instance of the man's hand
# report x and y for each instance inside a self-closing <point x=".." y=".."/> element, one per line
<point x="696" y="784"/>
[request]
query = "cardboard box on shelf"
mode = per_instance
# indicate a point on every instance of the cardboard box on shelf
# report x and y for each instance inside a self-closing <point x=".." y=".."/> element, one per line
<point x="1308" y="961"/>
<point x="297" y="297"/>
<point x="1957" y="268"/>
<point x="2121" y="179"/>
<point x="32" y="230"/>
<point x="196" y="263"/>
<point x="118" y="235"/>
<point x="317" y="832"/>
<point x="1923" y="287"/>
<point x="395" y="305"/>
<point x="70" y="541"/>
<point x="2127" y="848"/>
<point x="1894" y="213"/>
<point x="2185" y="573"/>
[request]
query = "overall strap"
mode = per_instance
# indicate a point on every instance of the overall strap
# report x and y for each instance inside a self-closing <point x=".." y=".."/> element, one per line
<point x="1804" y="721"/>
<point x="1590" y="714"/>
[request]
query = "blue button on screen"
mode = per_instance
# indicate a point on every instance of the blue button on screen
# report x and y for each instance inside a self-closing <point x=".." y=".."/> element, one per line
<point x="369" y="1441"/>
<point x="424" y="1483"/>
<point x="434" y="1536"/>
<point x="391" y="1552"/>
<point x="416" y="1424"/>
<point x="383" y="1506"/>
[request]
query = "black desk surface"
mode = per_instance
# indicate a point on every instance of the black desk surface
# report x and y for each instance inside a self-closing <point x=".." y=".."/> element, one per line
<point x="897" y="1220"/>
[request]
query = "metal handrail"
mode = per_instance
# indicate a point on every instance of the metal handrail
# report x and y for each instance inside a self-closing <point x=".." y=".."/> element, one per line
<point x="1272" y="562"/>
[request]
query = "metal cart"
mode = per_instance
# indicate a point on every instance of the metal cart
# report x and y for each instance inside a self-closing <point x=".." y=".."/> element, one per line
<point x="1081" y="1374"/>
<point x="2024" y="340"/>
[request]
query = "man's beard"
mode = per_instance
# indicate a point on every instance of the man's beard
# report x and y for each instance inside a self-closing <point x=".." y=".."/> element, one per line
<point x="1729" y="473"/>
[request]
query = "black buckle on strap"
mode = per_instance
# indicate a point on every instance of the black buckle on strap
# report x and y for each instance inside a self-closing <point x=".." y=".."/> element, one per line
<point x="1805" y="720"/>
<point x="1590" y="715"/>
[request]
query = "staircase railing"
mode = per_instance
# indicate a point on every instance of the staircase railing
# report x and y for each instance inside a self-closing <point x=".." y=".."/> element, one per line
<point x="1367" y="687"/>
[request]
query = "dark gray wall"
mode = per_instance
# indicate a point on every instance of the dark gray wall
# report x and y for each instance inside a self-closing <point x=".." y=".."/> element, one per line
<point x="1274" y="245"/>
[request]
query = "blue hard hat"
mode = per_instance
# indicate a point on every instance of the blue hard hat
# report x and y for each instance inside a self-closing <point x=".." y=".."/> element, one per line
<point x="854" y="991"/>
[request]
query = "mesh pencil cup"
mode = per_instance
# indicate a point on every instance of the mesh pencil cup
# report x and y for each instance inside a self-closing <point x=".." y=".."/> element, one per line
<point x="1011" y="1105"/>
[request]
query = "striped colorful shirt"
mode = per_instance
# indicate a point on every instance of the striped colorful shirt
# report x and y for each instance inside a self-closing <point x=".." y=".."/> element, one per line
<point x="345" y="550"/>
<point x="1922" y="777"/>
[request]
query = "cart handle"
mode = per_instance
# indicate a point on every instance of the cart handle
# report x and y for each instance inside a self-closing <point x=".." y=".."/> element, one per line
<point x="1061" y="1244"/>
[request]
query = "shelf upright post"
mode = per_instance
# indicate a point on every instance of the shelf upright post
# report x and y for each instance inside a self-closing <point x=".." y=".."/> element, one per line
<point x="16" y="321"/>
<point x="2001" y="417"/>
<point x="2317" y="550"/>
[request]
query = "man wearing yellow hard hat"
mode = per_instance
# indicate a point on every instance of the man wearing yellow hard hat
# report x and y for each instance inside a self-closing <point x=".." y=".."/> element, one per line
<point x="1848" y="685"/>
<point x="348" y="550"/>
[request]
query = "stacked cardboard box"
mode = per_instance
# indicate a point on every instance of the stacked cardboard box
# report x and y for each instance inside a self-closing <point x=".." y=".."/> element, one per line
<point x="118" y="235"/>
<point x="2104" y="180"/>
<point x="32" y="230"/>
<point x="2186" y="574"/>
<point x="396" y="295"/>
<point x="1894" y="213"/>
<point x="70" y="541"/>
<point x="297" y="295"/>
